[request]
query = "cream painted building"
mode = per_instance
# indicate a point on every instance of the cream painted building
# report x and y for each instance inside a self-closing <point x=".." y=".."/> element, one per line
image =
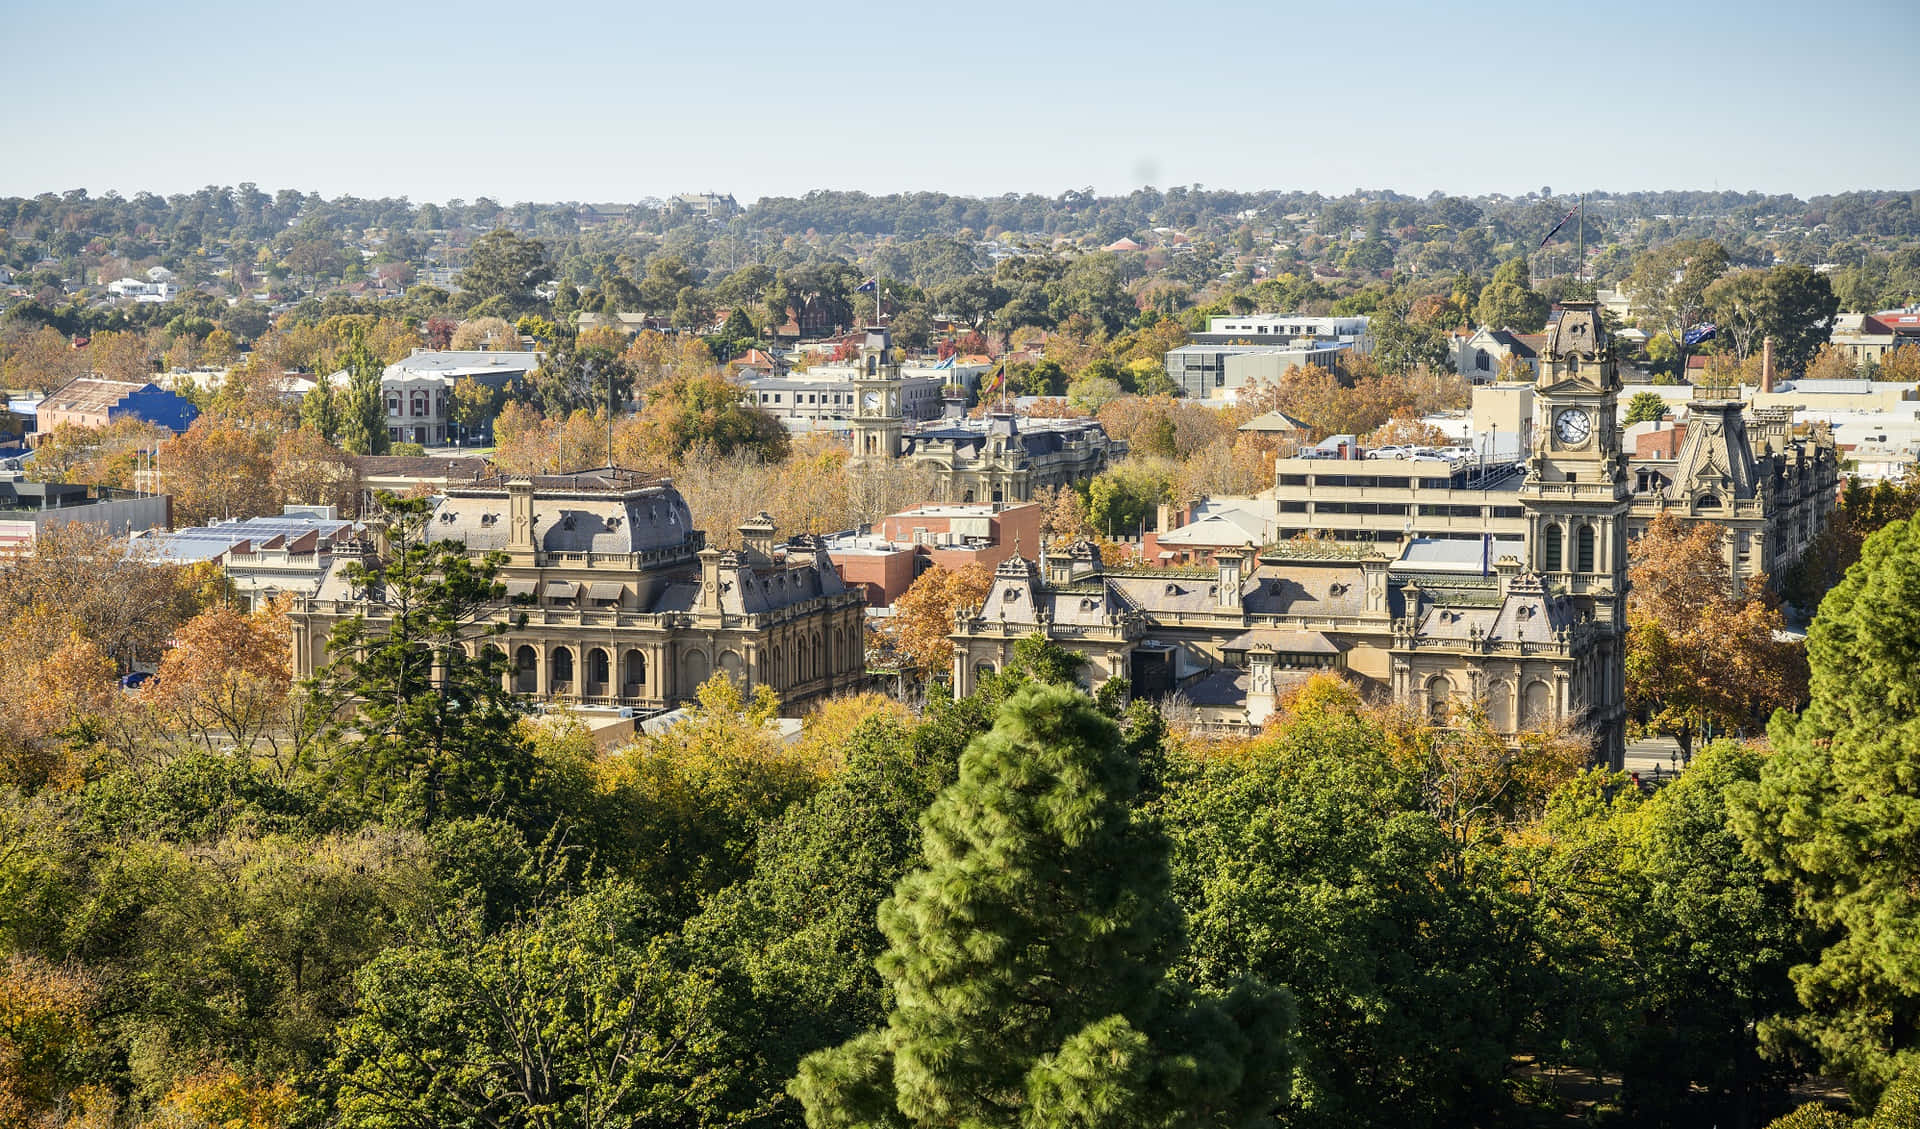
<point x="625" y="604"/>
<point x="1517" y="604"/>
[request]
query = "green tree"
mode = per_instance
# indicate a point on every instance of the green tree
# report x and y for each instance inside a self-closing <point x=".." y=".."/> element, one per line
<point x="1309" y="862"/>
<point x="422" y="721"/>
<point x="573" y="1016"/>
<point x="800" y="931"/>
<point x="1835" y="809"/>
<point x="1510" y="301"/>
<point x="1403" y="342"/>
<point x="1027" y="959"/>
<point x="1628" y="879"/>
<point x="1740" y="306"/>
<point x="1645" y="407"/>
<point x="1800" y="307"/>
<point x="320" y="411"/>
<point x="502" y="270"/>
<point x="362" y="408"/>
<point x="1670" y="283"/>
<point x="973" y="299"/>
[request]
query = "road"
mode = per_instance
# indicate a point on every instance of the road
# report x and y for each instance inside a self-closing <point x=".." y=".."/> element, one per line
<point x="1649" y="754"/>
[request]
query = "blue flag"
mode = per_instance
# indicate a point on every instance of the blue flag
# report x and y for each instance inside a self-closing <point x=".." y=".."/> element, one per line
<point x="1696" y="334"/>
<point x="866" y="287"/>
<point x="948" y="363"/>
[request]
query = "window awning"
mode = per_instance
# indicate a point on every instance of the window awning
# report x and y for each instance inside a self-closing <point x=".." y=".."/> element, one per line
<point x="519" y="588"/>
<point x="562" y="589"/>
<point x="605" y="589"/>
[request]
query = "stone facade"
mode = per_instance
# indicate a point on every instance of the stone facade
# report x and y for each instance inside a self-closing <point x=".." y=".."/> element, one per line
<point x="1746" y="471"/>
<point x="625" y="604"/>
<point x="1535" y="636"/>
<point x="1001" y="458"/>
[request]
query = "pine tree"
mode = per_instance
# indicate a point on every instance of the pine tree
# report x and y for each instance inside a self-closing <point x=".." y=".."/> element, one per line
<point x="421" y="717"/>
<point x="1027" y="959"/>
<point x="1836" y="807"/>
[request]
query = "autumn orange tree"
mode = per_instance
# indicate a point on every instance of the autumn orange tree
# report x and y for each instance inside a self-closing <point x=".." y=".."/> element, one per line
<point x="309" y="471"/>
<point x="923" y="615"/>
<point x="1702" y="652"/>
<point x="100" y="456"/>
<point x="228" y="676"/>
<point x="216" y="470"/>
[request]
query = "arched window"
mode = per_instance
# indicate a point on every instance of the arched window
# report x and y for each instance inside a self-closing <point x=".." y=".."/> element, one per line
<point x="1500" y="706"/>
<point x="1481" y="361"/>
<point x="1708" y="502"/>
<point x="635" y="665"/>
<point x="1573" y="362"/>
<point x="1537" y="707"/>
<point x="526" y="670"/>
<point x="1439" y="699"/>
<point x="562" y="669"/>
<point x="1583" y="549"/>
<point x="598" y="668"/>
<point x="1550" y="557"/>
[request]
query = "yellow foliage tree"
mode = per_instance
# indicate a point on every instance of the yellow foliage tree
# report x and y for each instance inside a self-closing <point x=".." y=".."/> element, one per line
<point x="922" y="618"/>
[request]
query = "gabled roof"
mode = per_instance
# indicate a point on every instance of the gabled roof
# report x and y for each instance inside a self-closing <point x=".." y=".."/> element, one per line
<point x="90" y="394"/>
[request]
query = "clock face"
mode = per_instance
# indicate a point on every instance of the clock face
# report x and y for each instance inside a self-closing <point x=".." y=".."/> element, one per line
<point x="873" y="401"/>
<point x="1573" y="426"/>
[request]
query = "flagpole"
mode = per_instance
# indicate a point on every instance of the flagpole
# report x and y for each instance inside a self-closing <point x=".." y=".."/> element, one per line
<point x="1580" y="267"/>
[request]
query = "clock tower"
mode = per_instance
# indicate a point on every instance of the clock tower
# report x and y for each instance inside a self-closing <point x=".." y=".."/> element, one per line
<point x="1577" y="496"/>
<point x="878" y="419"/>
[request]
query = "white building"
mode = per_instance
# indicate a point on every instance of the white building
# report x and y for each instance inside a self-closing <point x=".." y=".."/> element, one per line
<point x="152" y="291"/>
<point x="1265" y="328"/>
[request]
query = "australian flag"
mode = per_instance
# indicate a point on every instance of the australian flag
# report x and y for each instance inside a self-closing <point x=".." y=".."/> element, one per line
<point x="1695" y="334"/>
<point x="866" y="287"/>
<point x="1555" y="230"/>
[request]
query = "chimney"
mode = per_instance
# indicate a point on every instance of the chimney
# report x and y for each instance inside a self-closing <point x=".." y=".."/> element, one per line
<point x="1229" y="587"/>
<point x="709" y="579"/>
<point x="520" y="515"/>
<point x="1260" y="693"/>
<point x="1507" y="569"/>
<point x="1766" y="365"/>
<point x="756" y="535"/>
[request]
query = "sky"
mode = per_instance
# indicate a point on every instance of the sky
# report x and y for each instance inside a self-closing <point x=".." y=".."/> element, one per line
<point x="608" y="101"/>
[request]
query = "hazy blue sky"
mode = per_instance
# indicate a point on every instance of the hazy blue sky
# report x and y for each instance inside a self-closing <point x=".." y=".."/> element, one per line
<point x="594" y="100"/>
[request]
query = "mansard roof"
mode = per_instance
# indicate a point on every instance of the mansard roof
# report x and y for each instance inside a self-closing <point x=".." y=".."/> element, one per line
<point x="1716" y="455"/>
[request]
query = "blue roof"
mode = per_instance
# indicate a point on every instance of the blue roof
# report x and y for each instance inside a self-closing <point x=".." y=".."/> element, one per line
<point x="157" y="406"/>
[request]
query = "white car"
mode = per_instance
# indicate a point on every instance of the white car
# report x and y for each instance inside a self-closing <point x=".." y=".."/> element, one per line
<point x="1390" y="451"/>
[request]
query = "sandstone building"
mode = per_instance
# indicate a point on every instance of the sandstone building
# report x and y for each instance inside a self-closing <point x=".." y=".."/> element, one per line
<point x="1531" y="625"/>
<point x="1002" y="458"/>
<point x="626" y="605"/>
